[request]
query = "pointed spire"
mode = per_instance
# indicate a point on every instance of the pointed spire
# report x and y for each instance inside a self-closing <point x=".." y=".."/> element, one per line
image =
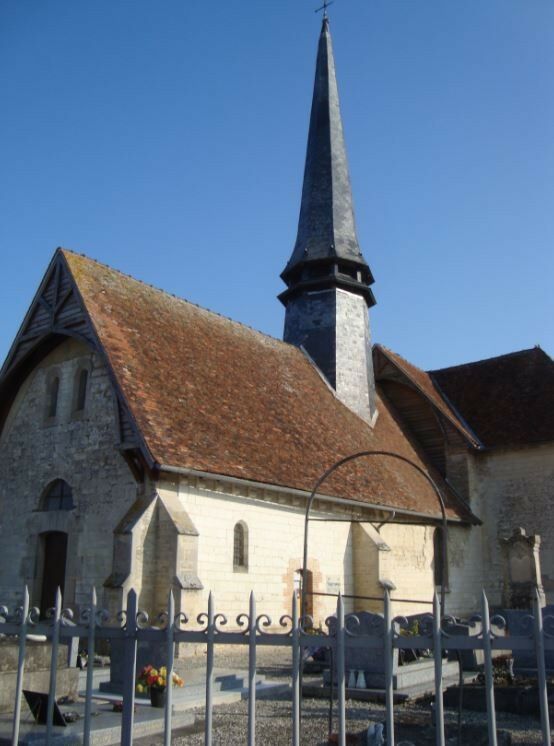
<point x="326" y="253"/>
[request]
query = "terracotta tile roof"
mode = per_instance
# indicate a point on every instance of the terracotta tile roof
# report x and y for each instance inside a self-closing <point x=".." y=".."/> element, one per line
<point x="213" y="395"/>
<point x="507" y="400"/>
<point x="423" y="381"/>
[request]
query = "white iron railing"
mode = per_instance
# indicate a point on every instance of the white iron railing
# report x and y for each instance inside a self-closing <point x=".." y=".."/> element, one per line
<point x="132" y="626"/>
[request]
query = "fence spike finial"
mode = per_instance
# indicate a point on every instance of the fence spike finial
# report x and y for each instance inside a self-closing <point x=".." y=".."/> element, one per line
<point x="132" y="603"/>
<point x="436" y="605"/>
<point x="93" y="597"/>
<point x="58" y="603"/>
<point x="484" y="600"/>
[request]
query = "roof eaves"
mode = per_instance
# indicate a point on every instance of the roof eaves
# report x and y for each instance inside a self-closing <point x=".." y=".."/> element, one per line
<point x="478" y="443"/>
<point x="169" y="469"/>
<point x="465" y="431"/>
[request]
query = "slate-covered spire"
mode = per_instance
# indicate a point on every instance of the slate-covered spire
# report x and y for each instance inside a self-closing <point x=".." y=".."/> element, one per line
<point x="326" y="253"/>
<point x="328" y="279"/>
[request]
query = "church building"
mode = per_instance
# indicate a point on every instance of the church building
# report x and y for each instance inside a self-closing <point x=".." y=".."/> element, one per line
<point x="146" y="442"/>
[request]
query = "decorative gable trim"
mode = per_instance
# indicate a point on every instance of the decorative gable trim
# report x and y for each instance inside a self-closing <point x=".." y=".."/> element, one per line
<point x="57" y="312"/>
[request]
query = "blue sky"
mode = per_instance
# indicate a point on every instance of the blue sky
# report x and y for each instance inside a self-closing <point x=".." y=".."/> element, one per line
<point x="167" y="139"/>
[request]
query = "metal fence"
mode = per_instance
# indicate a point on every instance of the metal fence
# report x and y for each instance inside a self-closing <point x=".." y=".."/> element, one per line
<point x="133" y="625"/>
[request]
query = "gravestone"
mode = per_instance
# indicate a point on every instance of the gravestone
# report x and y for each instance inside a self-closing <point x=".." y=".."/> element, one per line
<point x="148" y="653"/>
<point x="37" y="670"/>
<point x="522" y="575"/>
<point x="519" y="624"/>
<point x="368" y="660"/>
<point x="471" y="659"/>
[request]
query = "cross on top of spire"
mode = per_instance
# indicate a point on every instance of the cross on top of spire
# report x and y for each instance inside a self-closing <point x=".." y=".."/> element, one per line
<point x="326" y="4"/>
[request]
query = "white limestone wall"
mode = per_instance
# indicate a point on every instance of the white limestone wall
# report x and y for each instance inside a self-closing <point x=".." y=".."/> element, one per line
<point x="81" y="449"/>
<point x="341" y="556"/>
<point x="275" y="537"/>
<point x="465" y="568"/>
<point x="409" y="565"/>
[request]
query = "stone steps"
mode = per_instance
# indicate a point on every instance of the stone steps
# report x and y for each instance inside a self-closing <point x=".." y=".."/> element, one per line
<point x="228" y="686"/>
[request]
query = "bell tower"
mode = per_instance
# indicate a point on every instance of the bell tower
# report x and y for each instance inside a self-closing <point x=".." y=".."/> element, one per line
<point x="328" y="294"/>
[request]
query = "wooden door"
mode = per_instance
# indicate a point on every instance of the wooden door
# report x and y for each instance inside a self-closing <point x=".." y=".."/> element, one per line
<point x="53" y="574"/>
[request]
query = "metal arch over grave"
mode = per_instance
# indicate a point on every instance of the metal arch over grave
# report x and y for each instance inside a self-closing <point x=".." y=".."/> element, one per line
<point x="323" y="478"/>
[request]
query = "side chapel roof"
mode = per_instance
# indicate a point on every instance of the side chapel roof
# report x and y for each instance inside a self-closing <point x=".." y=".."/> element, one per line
<point x="213" y="395"/>
<point x="502" y="401"/>
<point x="508" y="400"/>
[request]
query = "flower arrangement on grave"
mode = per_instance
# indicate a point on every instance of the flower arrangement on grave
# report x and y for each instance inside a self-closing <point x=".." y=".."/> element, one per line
<point x="157" y="678"/>
<point x="412" y="630"/>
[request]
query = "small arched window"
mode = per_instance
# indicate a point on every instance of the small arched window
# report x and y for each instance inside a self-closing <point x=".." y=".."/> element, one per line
<point x="240" y="547"/>
<point x="52" y="394"/>
<point x="81" y="385"/>
<point x="58" y="496"/>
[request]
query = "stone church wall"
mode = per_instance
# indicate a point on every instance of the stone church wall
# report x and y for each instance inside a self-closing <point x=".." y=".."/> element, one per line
<point x="80" y="448"/>
<point x="185" y="548"/>
<point x="409" y="565"/>
<point x="515" y="487"/>
<point x="275" y="542"/>
<point x="465" y="568"/>
<point x="507" y="488"/>
<point x="352" y="558"/>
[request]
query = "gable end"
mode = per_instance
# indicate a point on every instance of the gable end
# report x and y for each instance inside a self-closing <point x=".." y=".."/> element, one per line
<point x="56" y="313"/>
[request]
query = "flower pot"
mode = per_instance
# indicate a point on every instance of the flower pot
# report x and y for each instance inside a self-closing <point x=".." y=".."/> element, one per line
<point x="157" y="696"/>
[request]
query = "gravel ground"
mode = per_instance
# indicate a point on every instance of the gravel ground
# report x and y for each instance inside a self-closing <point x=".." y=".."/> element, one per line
<point x="273" y="725"/>
<point x="273" y="722"/>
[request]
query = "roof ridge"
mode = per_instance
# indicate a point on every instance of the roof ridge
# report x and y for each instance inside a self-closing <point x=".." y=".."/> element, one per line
<point x="397" y="354"/>
<point x="63" y="249"/>
<point x="489" y="359"/>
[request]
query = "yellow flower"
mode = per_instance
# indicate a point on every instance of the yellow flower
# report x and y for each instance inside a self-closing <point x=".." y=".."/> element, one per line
<point x="160" y="681"/>
<point x="140" y="688"/>
<point x="163" y="671"/>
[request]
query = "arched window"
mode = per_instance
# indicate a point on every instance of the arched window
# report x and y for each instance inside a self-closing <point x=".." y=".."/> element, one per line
<point x="81" y="384"/>
<point x="240" y="547"/>
<point x="52" y="393"/>
<point x="58" y="496"/>
<point x="440" y="572"/>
